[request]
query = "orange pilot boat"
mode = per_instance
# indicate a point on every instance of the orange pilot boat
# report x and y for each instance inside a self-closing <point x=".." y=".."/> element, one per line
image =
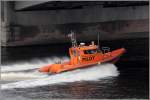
<point x="82" y="56"/>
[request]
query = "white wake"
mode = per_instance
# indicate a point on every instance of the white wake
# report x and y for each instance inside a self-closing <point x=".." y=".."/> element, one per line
<point x="87" y="74"/>
<point x="17" y="76"/>
<point x="33" y="64"/>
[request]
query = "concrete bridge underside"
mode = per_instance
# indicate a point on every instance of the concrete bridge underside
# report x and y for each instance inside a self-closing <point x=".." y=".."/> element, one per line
<point x="41" y="22"/>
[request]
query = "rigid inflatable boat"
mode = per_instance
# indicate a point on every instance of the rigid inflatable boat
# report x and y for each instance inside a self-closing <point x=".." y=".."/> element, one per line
<point x="82" y="56"/>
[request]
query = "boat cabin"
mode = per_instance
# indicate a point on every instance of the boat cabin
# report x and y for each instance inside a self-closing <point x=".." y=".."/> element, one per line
<point x="83" y="54"/>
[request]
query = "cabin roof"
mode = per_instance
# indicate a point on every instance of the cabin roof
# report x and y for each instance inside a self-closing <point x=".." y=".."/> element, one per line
<point x="85" y="47"/>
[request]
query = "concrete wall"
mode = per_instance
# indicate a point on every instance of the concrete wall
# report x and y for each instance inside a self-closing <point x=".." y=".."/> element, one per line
<point x="19" y="5"/>
<point x="40" y="27"/>
<point x="7" y="20"/>
<point x="86" y="15"/>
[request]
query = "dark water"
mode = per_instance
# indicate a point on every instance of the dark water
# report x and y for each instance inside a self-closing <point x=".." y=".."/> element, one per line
<point x="133" y="81"/>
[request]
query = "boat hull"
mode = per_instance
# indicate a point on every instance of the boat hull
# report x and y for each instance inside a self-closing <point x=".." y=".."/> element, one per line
<point x="110" y="57"/>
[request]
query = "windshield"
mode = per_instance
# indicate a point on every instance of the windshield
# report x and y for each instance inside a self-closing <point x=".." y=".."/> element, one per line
<point x="93" y="51"/>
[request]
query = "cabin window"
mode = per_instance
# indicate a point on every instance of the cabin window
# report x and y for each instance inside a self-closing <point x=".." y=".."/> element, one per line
<point x="93" y="51"/>
<point x="73" y="52"/>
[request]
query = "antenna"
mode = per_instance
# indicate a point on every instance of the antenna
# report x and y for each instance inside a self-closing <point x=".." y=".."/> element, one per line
<point x="73" y="39"/>
<point x="98" y="41"/>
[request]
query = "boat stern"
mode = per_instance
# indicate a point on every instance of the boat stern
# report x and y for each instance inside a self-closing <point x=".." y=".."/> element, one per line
<point x="44" y="69"/>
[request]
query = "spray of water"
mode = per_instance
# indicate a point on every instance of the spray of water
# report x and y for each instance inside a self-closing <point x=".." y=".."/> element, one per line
<point x="17" y="76"/>
<point x="26" y="70"/>
<point x="33" y="64"/>
<point x="87" y="74"/>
